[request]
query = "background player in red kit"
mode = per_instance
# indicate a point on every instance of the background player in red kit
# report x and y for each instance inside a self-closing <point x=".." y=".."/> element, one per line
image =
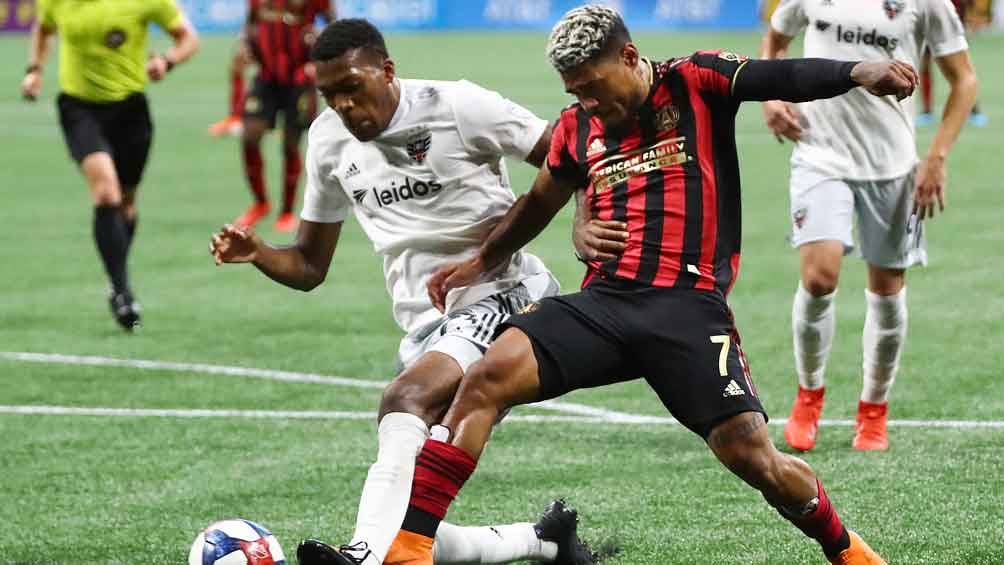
<point x="653" y="145"/>
<point x="280" y="33"/>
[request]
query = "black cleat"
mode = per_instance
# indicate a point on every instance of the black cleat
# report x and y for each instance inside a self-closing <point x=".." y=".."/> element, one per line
<point x="560" y="524"/>
<point x="125" y="309"/>
<point x="316" y="552"/>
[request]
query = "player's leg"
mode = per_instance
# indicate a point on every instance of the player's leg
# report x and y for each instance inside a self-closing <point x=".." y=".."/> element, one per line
<point x="298" y="112"/>
<point x="260" y="108"/>
<point x="742" y="444"/>
<point x="822" y="217"/>
<point x="232" y="124"/>
<point x="892" y="240"/>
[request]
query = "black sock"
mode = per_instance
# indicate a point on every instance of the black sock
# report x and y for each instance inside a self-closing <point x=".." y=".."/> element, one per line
<point x="130" y="227"/>
<point x="976" y="108"/>
<point x="112" y="239"/>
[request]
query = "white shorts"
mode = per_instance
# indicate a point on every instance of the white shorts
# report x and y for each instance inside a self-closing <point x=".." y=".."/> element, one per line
<point x="466" y="333"/>
<point x="823" y="208"/>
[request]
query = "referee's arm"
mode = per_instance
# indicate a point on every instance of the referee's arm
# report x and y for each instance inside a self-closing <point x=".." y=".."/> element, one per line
<point x="186" y="43"/>
<point x="38" y="52"/>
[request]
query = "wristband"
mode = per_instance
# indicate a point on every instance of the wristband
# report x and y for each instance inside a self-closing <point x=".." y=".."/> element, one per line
<point x="33" y="68"/>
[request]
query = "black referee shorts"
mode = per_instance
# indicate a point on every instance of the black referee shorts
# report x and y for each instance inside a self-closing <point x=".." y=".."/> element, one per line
<point x="122" y="129"/>
<point x="683" y="342"/>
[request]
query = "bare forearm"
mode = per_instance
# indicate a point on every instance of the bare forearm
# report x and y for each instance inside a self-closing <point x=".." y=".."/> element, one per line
<point x="186" y="43"/>
<point x="287" y="265"/>
<point x="957" y="108"/>
<point x="774" y="45"/>
<point x="38" y="50"/>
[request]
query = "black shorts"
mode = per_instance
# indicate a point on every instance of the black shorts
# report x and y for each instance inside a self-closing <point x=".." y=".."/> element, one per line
<point x="122" y="129"/>
<point x="682" y="341"/>
<point x="298" y="103"/>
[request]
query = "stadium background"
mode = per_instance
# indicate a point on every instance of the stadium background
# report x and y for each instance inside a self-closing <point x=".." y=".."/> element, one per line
<point x="118" y="449"/>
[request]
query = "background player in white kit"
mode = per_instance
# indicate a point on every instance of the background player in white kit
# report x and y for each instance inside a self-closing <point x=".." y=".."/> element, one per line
<point x="855" y="155"/>
<point x="420" y="163"/>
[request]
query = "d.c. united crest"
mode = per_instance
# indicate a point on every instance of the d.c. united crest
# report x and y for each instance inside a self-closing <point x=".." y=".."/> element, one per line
<point x="418" y="146"/>
<point x="893" y="7"/>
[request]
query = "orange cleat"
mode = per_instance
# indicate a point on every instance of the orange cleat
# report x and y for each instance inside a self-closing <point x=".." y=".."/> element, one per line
<point x="253" y="214"/>
<point x="858" y="553"/>
<point x="800" y="431"/>
<point x="230" y="125"/>
<point x="871" y="434"/>
<point x="285" y="223"/>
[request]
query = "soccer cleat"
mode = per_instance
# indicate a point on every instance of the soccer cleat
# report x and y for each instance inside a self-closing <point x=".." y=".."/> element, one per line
<point x="230" y="125"/>
<point x="870" y="431"/>
<point x="125" y="309"/>
<point x="924" y="119"/>
<point x="800" y="430"/>
<point x="253" y="214"/>
<point x="858" y="553"/>
<point x="286" y="222"/>
<point x="560" y="523"/>
<point x="316" y="552"/>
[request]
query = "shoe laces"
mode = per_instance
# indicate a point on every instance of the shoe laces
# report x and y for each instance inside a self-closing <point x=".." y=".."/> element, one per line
<point x="358" y="547"/>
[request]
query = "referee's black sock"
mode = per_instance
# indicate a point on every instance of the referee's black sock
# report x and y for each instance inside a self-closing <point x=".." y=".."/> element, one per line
<point x="130" y="227"/>
<point x="112" y="239"/>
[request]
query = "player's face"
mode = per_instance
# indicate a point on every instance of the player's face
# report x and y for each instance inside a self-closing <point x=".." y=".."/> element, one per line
<point x="610" y="88"/>
<point x="360" y="87"/>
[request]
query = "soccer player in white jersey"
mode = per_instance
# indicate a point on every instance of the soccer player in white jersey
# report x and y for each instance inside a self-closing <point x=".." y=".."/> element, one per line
<point x="855" y="156"/>
<point x="421" y="165"/>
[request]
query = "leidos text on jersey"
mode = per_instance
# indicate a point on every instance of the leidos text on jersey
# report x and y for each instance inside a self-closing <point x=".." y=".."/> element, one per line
<point x="406" y="191"/>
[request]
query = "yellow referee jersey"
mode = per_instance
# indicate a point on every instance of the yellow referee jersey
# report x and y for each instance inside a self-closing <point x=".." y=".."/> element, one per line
<point x="103" y="47"/>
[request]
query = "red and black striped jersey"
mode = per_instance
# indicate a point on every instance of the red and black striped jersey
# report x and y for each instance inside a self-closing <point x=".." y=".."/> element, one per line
<point x="672" y="175"/>
<point x="278" y="37"/>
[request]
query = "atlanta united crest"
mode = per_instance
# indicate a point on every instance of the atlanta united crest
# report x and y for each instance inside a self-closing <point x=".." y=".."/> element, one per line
<point x="893" y="7"/>
<point x="667" y="117"/>
<point x="418" y="145"/>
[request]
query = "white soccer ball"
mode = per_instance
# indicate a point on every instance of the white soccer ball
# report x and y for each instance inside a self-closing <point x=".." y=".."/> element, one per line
<point x="236" y="542"/>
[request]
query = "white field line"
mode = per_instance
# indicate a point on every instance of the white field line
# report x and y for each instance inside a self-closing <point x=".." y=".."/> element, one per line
<point x="321" y="415"/>
<point x="579" y="413"/>
<point x="288" y="376"/>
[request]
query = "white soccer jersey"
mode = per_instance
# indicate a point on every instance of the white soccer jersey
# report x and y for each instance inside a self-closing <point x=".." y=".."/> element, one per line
<point x="859" y="136"/>
<point x="428" y="190"/>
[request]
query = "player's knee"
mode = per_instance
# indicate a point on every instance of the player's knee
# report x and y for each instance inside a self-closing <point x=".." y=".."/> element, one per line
<point x="820" y="280"/>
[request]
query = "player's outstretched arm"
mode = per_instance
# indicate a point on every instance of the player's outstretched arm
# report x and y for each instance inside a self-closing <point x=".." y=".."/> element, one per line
<point x="801" y="80"/>
<point x="302" y="266"/>
<point x="524" y="221"/>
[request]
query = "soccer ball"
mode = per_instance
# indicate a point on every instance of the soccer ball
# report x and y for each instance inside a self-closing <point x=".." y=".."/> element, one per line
<point x="236" y="542"/>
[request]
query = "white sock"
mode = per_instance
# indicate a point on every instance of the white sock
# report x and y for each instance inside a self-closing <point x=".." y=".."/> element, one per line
<point x="882" y="342"/>
<point x="490" y="544"/>
<point x="813" y="320"/>
<point x="385" y="496"/>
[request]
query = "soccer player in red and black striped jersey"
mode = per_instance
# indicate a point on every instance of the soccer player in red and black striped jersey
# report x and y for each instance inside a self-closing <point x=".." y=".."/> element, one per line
<point x="652" y="144"/>
<point x="279" y="33"/>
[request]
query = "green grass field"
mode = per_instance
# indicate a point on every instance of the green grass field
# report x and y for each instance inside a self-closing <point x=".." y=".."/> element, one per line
<point x="136" y="490"/>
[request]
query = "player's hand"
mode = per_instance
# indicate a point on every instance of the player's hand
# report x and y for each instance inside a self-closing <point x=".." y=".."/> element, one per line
<point x="156" y="68"/>
<point x="930" y="187"/>
<point x="783" y="120"/>
<point x="31" y="86"/>
<point x="233" y="244"/>
<point x="884" y="78"/>
<point x="599" y="240"/>
<point x="310" y="71"/>
<point x="453" y="276"/>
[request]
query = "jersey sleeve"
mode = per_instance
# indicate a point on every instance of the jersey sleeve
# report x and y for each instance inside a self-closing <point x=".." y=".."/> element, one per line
<point x="789" y="18"/>
<point x="943" y="30"/>
<point x="45" y="15"/>
<point x="560" y="159"/>
<point x="716" y="71"/>
<point x="324" y="201"/>
<point x="165" y="14"/>
<point x="489" y="123"/>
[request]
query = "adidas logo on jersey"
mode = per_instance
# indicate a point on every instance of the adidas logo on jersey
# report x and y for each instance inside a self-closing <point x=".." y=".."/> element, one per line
<point x="398" y="193"/>
<point x="353" y="171"/>
<point x="861" y="37"/>
<point x="733" y="389"/>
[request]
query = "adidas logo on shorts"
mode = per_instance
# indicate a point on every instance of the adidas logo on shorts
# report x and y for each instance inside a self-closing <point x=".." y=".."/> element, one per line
<point x="733" y="389"/>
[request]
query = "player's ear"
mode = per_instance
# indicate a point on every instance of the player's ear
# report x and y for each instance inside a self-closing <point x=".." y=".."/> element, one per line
<point x="630" y="55"/>
<point x="388" y="69"/>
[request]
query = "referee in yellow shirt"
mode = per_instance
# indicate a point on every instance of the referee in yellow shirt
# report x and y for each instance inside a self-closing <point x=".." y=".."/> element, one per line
<point x="103" y="69"/>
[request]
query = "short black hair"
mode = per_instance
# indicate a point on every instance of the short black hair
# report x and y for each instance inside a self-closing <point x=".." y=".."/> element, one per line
<point x="342" y="36"/>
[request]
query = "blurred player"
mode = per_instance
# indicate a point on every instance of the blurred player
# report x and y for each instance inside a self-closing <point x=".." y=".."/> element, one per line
<point x="856" y="156"/>
<point x="420" y="163"/>
<point x="653" y="145"/>
<point x="233" y="124"/>
<point x="280" y="33"/>
<point x="103" y="69"/>
<point x="926" y="115"/>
